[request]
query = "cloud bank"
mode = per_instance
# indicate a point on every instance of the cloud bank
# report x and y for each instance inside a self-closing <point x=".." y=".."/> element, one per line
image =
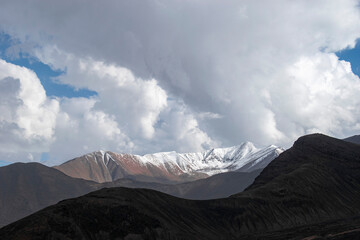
<point x="177" y="75"/>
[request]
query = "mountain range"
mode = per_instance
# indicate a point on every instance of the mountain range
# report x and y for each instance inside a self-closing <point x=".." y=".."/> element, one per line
<point x="310" y="191"/>
<point x="28" y="187"/>
<point x="169" y="167"/>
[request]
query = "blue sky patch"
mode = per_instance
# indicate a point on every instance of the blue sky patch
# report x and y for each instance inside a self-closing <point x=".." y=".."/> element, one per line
<point x="44" y="72"/>
<point x="3" y="163"/>
<point x="44" y="157"/>
<point x="352" y="56"/>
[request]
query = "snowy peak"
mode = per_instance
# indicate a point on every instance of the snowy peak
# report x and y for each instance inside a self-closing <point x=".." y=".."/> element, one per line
<point x="228" y="154"/>
<point x="102" y="166"/>
<point x="99" y="157"/>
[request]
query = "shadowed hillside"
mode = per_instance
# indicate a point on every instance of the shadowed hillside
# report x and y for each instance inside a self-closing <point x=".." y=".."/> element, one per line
<point x="218" y="186"/>
<point x="353" y="139"/>
<point x="312" y="189"/>
<point x="28" y="187"/>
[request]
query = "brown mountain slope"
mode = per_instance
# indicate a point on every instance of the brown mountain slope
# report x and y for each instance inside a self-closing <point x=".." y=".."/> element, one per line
<point x="169" y="167"/>
<point x="28" y="187"/>
<point x="313" y="189"/>
<point x="106" y="167"/>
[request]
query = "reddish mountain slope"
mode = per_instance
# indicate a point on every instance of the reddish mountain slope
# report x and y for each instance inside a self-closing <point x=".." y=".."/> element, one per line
<point x="169" y="167"/>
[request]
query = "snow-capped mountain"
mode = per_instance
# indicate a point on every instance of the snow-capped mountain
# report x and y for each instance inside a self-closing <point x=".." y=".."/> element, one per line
<point x="104" y="166"/>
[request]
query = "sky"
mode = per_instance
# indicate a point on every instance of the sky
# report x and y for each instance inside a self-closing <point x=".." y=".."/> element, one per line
<point x="182" y="75"/>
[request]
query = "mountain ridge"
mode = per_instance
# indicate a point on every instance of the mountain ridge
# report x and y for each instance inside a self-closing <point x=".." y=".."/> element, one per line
<point x="28" y="187"/>
<point x="169" y="167"/>
<point x="312" y="190"/>
<point x="316" y="183"/>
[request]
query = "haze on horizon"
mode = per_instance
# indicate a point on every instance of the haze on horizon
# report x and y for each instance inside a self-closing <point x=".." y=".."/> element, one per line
<point x="155" y="75"/>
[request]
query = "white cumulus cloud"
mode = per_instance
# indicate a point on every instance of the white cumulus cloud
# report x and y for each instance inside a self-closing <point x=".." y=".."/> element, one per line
<point x="183" y="75"/>
<point x="28" y="117"/>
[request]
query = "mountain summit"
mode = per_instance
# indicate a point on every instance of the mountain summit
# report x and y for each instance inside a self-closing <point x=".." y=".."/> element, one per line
<point x="169" y="167"/>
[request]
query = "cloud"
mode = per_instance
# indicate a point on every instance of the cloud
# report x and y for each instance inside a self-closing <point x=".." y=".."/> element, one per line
<point x="322" y="95"/>
<point x="184" y="75"/>
<point x="129" y="99"/>
<point x="208" y="115"/>
<point x="123" y="117"/>
<point x="140" y="107"/>
<point x="179" y="129"/>
<point x="27" y="117"/>
<point x="85" y="129"/>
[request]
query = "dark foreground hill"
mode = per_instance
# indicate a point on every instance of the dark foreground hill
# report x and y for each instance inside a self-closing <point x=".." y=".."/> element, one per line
<point x="28" y="187"/>
<point x="311" y="191"/>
